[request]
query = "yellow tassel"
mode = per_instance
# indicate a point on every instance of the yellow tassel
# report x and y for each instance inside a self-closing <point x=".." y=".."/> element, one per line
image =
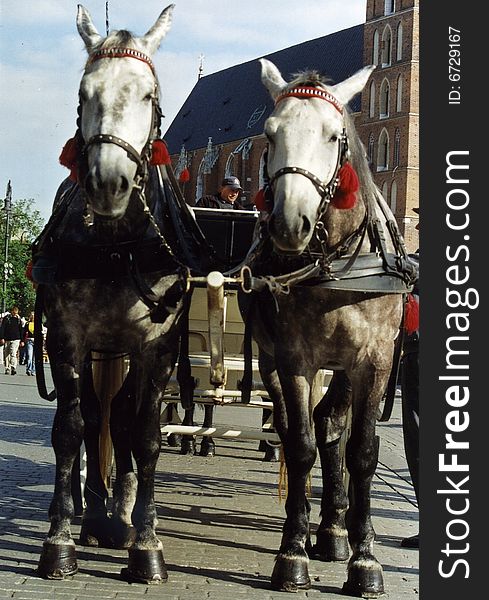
<point x="282" y="479"/>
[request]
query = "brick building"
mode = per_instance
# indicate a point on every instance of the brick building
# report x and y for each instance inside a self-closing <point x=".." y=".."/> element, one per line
<point x="218" y="130"/>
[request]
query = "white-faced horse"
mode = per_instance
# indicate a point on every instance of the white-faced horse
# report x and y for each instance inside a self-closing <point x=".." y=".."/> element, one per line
<point x="327" y="292"/>
<point x="110" y="282"/>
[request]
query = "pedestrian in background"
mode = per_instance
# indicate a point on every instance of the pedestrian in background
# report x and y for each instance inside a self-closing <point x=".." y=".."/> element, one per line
<point x="28" y="338"/>
<point x="11" y="339"/>
<point x="410" y="402"/>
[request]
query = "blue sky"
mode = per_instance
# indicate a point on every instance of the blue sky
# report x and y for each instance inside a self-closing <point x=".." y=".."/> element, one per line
<point x="42" y="57"/>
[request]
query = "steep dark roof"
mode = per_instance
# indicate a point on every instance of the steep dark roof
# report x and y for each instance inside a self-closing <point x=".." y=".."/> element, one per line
<point x="233" y="104"/>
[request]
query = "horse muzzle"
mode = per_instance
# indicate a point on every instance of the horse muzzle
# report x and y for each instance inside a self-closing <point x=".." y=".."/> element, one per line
<point x="290" y="234"/>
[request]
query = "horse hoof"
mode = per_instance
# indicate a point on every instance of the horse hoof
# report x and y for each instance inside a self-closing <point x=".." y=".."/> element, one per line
<point x="365" y="580"/>
<point x="145" y="566"/>
<point x="174" y="440"/>
<point x="207" y="448"/>
<point x="330" y="547"/>
<point x="290" y="574"/>
<point x="57" y="561"/>
<point x="107" y="533"/>
<point x="272" y="454"/>
<point x="188" y="446"/>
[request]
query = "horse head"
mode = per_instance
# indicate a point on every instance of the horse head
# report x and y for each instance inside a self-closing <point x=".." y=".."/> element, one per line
<point x="307" y="147"/>
<point x="119" y="114"/>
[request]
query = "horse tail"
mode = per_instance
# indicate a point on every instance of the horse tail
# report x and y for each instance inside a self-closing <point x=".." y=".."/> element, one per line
<point x="108" y="376"/>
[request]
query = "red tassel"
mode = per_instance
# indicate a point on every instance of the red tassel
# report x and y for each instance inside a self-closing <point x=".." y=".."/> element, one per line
<point x="411" y="315"/>
<point x="184" y="176"/>
<point x="159" y="153"/>
<point x="345" y="195"/>
<point x="69" y="157"/>
<point x="259" y="200"/>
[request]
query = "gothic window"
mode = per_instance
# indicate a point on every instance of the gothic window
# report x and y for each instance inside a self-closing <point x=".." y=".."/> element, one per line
<point x="399" y="42"/>
<point x="375" y="49"/>
<point x="393" y="203"/>
<point x="370" y="150"/>
<point x="386" y="47"/>
<point x="389" y="6"/>
<point x="371" y="110"/>
<point x="383" y="151"/>
<point x="262" y="175"/>
<point x="397" y="148"/>
<point x="384" y="97"/>
<point x="230" y="165"/>
<point x="385" y="191"/>
<point x="399" y="94"/>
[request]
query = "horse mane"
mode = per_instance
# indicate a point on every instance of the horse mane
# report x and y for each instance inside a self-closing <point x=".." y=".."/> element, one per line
<point x="311" y="77"/>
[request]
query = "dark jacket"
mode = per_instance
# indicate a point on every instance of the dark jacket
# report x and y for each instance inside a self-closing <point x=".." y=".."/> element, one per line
<point x="215" y="201"/>
<point x="11" y="328"/>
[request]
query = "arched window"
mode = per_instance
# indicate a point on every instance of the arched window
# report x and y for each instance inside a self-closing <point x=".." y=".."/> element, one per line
<point x="370" y="150"/>
<point x="385" y="191"/>
<point x="393" y="202"/>
<point x="399" y="94"/>
<point x="389" y="7"/>
<point x="371" y="110"/>
<point x="375" y="48"/>
<point x="199" y="185"/>
<point x="399" y="42"/>
<point x="384" y="98"/>
<point x="383" y="151"/>
<point x="262" y="179"/>
<point x="386" y="47"/>
<point x="230" y="165"/>
<point x="397" y="148"/>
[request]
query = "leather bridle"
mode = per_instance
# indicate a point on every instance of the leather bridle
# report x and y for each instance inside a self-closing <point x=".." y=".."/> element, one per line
<point x="326" y="189"/>
<point x="141" y="159"/>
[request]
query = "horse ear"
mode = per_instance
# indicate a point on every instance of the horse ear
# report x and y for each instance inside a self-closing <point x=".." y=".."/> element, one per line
<point x="153" y="37"/>
<point x="271" y="78"/>
<point x="352" y="86"/>
<point x="87" y="29"/>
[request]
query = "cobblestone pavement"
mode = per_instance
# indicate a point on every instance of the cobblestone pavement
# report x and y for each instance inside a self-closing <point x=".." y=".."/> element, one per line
<point x="220" y="518"/>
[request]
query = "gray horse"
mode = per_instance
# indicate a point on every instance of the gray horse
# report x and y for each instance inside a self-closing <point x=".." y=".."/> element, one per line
<point x="110" y="282"/>
<point x="326" y="292"/>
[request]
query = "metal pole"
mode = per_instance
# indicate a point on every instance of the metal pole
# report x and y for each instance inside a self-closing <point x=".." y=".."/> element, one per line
<point x="8" y="210"/>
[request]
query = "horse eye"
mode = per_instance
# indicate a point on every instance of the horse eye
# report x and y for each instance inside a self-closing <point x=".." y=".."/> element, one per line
<point x="148" y="97"/>
<point x="333" y="138"/>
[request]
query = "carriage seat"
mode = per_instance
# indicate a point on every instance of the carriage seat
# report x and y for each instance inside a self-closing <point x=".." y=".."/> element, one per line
<point x="229" y="232"/>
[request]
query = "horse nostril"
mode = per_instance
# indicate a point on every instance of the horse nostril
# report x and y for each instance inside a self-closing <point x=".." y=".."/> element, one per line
<point x="124" y="184"/>
<point x="306" y="226"/>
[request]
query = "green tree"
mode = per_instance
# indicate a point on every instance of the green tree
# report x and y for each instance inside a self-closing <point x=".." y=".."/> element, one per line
<point x="25" y="224"/>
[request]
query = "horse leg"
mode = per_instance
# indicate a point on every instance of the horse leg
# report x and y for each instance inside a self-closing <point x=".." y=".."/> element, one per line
<point x="58" y="556"/>
<point x="207" y="446"/>
<point x="290" y="572"/>
<point x="95" y="519"/>
<point x="271" y="449"/>
<point x="365" y="578"/>
<point x="330" y="417"/>
<point x="188" y="441"/>
<point x="173" y="439"/>
<point x="146" y="563"/>
<point x="125" y="484"/>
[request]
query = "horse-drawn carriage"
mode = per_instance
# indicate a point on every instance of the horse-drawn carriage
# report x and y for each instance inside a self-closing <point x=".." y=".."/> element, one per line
<point x="322" y="287"/>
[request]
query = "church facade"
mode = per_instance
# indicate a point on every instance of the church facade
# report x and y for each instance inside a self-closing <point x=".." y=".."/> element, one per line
<point x="219" y="129"/>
